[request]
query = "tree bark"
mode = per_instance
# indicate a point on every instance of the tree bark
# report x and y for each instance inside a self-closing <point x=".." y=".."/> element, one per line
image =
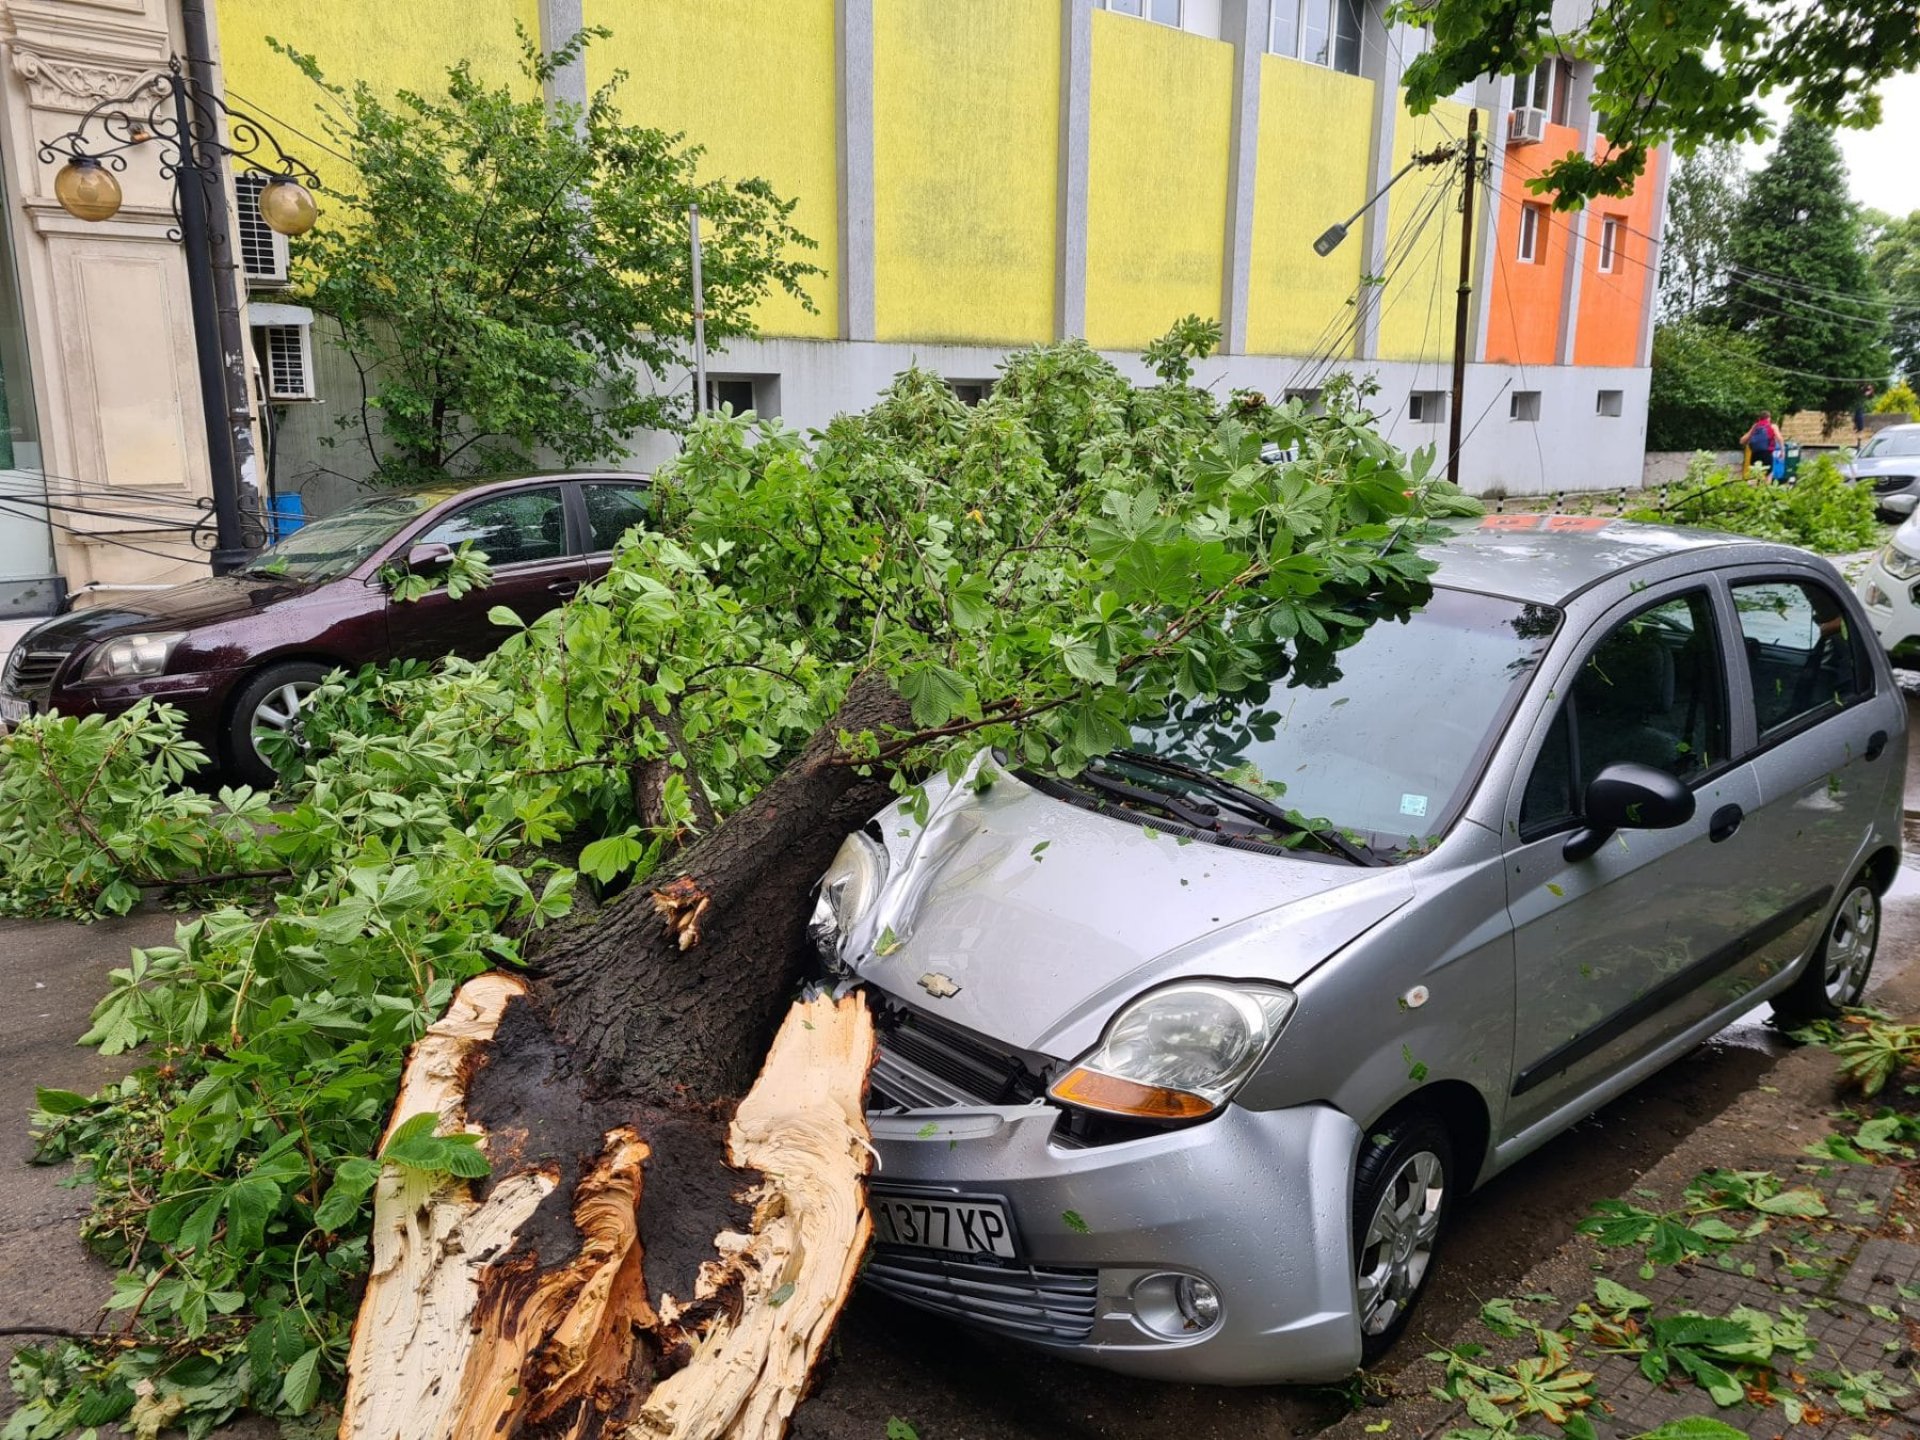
<point x="643" y="1253"/>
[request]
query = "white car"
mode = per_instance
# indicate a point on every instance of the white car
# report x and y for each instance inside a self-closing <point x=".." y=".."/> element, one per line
<point x="1888" y="589"/>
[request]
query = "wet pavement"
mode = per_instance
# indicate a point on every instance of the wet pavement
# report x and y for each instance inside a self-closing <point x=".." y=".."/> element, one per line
<point x="890" y="1360"/>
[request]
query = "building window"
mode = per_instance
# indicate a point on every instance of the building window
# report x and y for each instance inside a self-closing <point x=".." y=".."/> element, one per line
<point x="1611" y="229"/>
<point x="1534" y="91"/>
<point x="1321" y="32"/>
<point x="741" y="393"/>
<point x="1164" y="12"/>
<point x="285" y="353"/>
<point x="1427" y="407"/>
<point x="970" y="392"/>
<point x="1533" y="228"/>
<point x="1525" y="405"/>
<point x="1608" y="403"/>
<point x="1562" y="106"/>
<point x="263" y="250"/>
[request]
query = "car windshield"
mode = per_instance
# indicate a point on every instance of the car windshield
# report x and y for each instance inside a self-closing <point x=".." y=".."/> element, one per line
<point x="327" y="549"/>
<point x="1891" y="443"/>
<point x="1386" y="740"/>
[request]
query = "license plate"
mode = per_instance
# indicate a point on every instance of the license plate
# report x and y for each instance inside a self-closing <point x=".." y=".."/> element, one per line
<point x="959" y="1224"/>
<point x="13" y="709"/>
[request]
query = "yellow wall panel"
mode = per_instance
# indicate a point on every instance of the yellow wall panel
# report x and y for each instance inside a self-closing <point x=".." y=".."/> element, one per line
<point x="391" y="46"/>
<point x="753" y="82"/>
<point x="966" y="139"/>
<point x="1157" y="183"/>
<point x="1316" y="132"/>
<point x="1417" y="302"/>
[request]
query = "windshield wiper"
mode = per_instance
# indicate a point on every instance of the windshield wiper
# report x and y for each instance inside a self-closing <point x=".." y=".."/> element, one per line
<point x="1245" y="800"/>
<point x="1201" y="817"/>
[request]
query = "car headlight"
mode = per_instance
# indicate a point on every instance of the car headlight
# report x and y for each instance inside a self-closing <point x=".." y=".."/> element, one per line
<point x="128" y="657"/>
<point x="1177" y="1053"/>
<point x="1899" y="564"/>
<point x="847" y="891"/>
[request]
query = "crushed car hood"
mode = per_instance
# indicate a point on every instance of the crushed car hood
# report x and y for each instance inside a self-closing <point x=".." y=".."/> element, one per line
<point x="198" y="602"/>
<point x="1028" y="919"/>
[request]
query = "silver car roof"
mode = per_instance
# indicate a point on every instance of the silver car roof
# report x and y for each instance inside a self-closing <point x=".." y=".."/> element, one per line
<point x="1550" y="558"/>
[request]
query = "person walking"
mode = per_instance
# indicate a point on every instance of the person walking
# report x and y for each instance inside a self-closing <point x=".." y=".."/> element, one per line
<point x="1762" y="443"/>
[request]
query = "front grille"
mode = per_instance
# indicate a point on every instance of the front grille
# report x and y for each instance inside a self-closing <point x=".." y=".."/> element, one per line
<point x="31" y="672"/>
<point x="926" y="1063"/>
<point x="1015" y="1299"/>
<point x="1887" y="484"/>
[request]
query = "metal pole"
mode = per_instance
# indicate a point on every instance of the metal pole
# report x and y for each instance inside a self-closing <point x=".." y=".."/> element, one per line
<point x="1460" y="307"/>
<point x="699" y="316"/>
<point x="226" y="282"/>
<point x="190" y="181"/>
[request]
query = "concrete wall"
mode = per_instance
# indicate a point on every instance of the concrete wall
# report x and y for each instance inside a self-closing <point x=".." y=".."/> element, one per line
<point x="966" y="139"/>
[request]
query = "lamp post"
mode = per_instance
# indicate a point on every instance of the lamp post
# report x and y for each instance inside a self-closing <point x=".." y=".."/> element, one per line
<point x="185" y="124"/>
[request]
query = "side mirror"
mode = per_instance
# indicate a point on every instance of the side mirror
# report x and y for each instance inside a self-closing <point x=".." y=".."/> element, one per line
<point x="1626" y="796"/>
<point x="428" y="557"/>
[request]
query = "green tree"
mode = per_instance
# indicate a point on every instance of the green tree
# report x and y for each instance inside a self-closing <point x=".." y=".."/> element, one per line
<point x="806" y="632"/>
<point x="509" y="276"/>
<point x="1799" y="283"/>
<point x="1684" y="71"/>
<point x="1708" y="385"/>
<point x="1895" y="260"/>
<point x="1703" y="206"/>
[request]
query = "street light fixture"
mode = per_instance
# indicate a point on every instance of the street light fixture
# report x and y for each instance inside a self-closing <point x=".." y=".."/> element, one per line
<point x="186" y="121"/>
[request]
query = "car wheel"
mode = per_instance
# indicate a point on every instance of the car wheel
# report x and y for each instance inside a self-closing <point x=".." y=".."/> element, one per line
<point x="269" y="704"/>
<point x="1836" y="975"/>
<point x="1402" y="1198"/>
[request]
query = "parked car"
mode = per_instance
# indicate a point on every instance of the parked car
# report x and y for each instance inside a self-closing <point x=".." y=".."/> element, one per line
<point x="239" y="653"/>
<point x="1890" y="589"/>
<point x="1890" y="462"/>
<point x="1167" y="1086"/>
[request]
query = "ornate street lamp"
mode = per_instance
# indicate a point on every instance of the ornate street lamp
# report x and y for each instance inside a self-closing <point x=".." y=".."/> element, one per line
<point x="185" y="123"/>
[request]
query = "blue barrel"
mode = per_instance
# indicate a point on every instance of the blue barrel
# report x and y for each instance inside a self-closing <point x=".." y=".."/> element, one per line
<point x="289" y="514"/>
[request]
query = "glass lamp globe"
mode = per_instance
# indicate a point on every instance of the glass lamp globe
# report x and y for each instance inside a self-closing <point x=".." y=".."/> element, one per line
<point x="287" y="206"/>
<point x="86" y="189"/>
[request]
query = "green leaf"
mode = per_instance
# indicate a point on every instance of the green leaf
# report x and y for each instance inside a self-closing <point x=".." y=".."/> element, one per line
<point x="342" y="1202"/>
<point x="1695" y="1427"/>
<point x="1617" y="1299"/>
<point x="59" y="1102"/>
<point x="898" y="1429"/>
<point x="249" y="1205"/>
<point x="934" y="693"/>
<point x="301" y="1387"/>
<point x="1071" y="1219"/>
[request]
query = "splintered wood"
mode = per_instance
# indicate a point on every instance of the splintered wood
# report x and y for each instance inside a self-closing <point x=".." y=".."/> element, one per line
<point x="461" y="1336"/>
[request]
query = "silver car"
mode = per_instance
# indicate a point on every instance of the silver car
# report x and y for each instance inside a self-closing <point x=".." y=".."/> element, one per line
<point x="1890" y="462"/>
<point x="1176" y="1080"/>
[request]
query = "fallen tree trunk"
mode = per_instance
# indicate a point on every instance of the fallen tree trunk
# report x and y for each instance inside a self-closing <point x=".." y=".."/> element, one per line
<point x="644" y="1258"/>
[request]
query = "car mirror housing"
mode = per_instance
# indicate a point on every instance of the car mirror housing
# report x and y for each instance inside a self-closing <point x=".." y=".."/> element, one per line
<point x="428" y="557"/>
<point x="1626" y="796"/>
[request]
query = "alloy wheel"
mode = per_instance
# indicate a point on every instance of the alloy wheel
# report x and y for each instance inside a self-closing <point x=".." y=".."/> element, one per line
<point x="1398" y="1247"/>
<point x="1850" y="946"/>
<point x="278" y="712"/>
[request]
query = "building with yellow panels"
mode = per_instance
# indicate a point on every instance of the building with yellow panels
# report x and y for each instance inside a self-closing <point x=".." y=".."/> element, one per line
<point x="978" y="175"/>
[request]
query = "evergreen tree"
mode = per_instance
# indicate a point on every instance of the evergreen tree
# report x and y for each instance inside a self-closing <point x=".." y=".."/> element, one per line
<point x="1800" y="282"/>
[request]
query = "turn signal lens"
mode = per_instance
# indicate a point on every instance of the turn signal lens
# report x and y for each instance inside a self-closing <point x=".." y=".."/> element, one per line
<point x="1089" y="1088"/>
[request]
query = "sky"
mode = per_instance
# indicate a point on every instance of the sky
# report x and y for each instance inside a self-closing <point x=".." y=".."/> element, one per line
<point x="1880" y="162"/>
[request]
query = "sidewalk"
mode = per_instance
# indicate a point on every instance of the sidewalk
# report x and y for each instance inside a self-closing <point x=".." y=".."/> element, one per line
<point x="1837" y="1292"/>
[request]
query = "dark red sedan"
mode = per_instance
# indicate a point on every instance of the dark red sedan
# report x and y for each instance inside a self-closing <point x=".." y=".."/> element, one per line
<point x="238" y="653"/>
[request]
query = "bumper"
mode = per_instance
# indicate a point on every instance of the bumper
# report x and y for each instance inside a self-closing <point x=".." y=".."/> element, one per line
<point x="1256" y="1203"/>
<point x="1892" y="607"/>
<point x="201" y="697"/>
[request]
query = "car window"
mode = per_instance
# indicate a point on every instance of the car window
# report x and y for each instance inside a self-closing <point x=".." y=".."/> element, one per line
<point x="327" y="548"/>
<point x="1887" y="444"/>
<point x="612" y="510"/>
<point x="1802" y="653"/>
<point x="512" y="529"/>
<point x="1651" y="692"/>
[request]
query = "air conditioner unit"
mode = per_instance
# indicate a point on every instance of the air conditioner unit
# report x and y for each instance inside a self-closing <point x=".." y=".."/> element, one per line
<point x="1526" y="126"/>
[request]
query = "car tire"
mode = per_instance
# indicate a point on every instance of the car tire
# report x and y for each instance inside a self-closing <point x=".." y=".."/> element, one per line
<point x="1836" y="974"/>
<point x="1403" y="1195"/>
<point x="273" y="693"/>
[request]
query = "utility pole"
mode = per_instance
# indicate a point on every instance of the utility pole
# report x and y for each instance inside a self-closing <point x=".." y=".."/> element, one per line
<point x="1460" y="306"/>
<point x="699" y="316"/>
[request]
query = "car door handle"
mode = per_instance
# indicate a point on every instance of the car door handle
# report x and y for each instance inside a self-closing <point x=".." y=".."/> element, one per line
<point x="1876" y="742"/>
<point x="565" y="589"/>
<point x="1725" y="821"/>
